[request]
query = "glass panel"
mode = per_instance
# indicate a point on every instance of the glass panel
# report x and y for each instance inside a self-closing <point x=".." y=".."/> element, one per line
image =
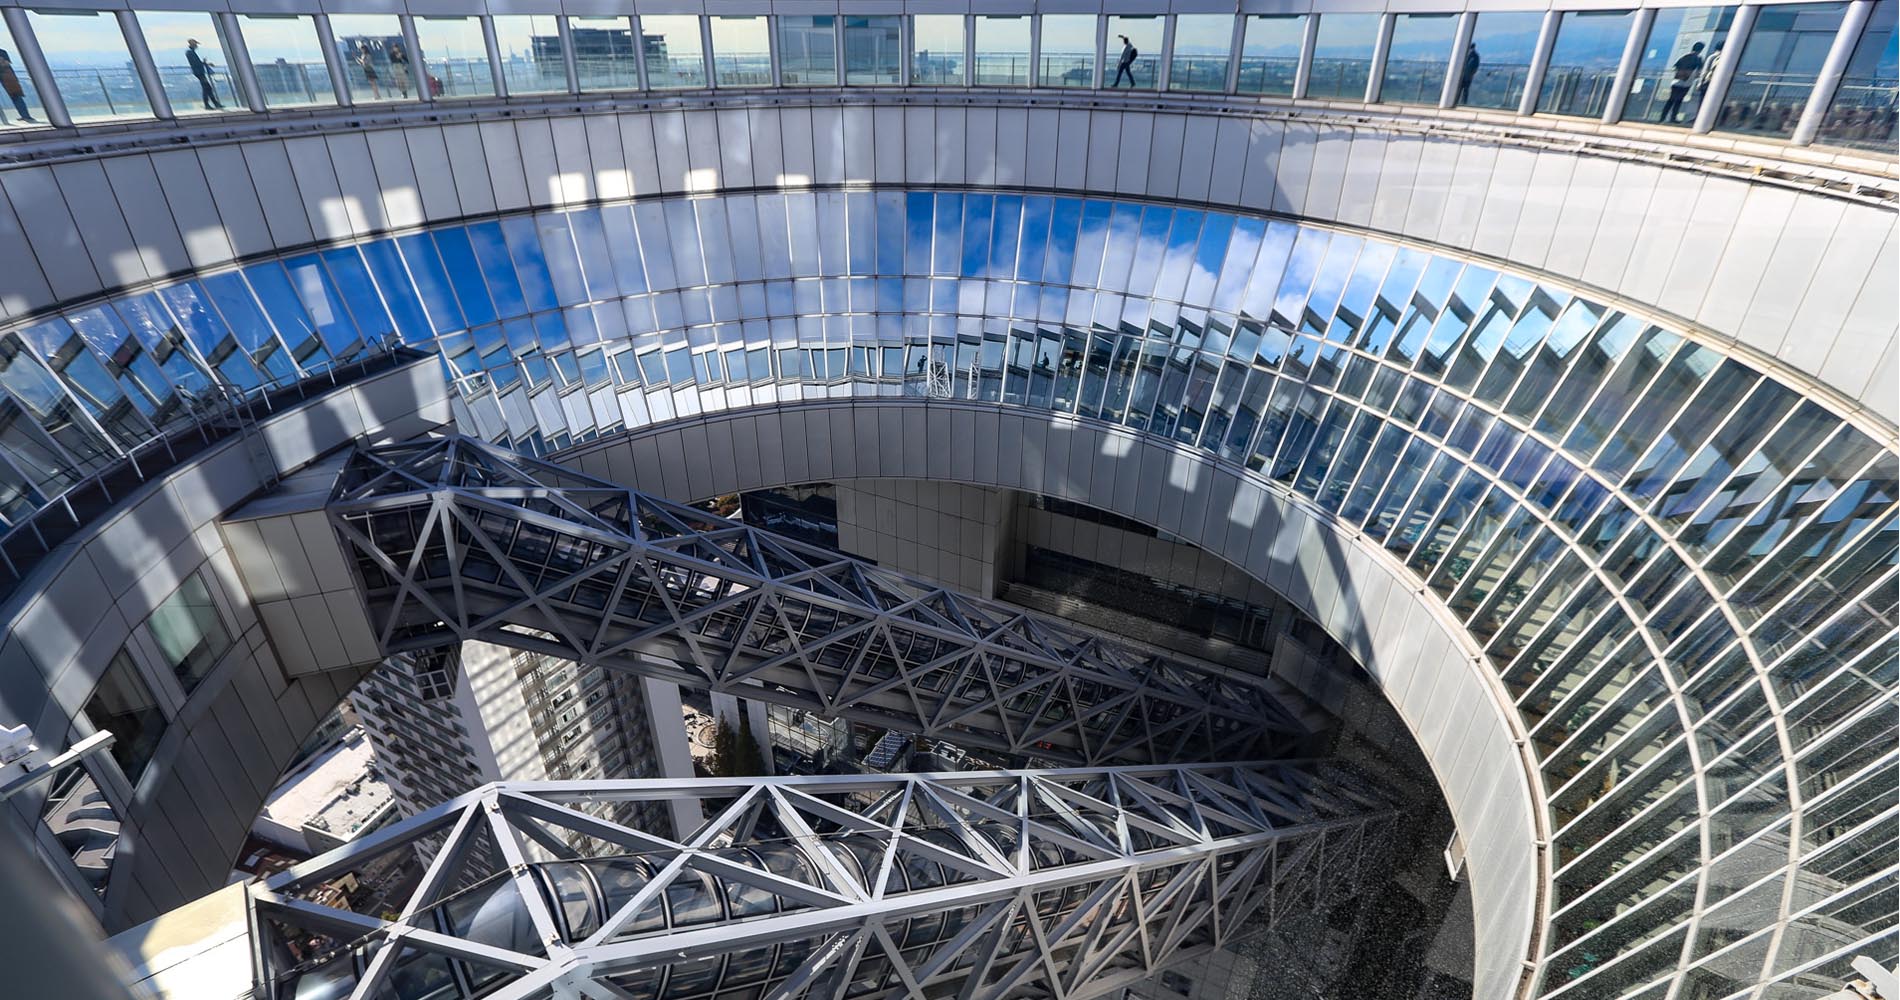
<point x="1270" y="53"/>
<point x="808" y="51"/>
<point x="603" y="52"/>
<point x="742" y="51"/>
<point x="1203" y="48"/>
<point x="1002" y="50"/>
<point x="671" y="45"/>
<point x="22" y="100"/>
<point x="287" y="58"/>
<point x="188" y="50"/>
<point x="937" y="49"/>
<point x="83" y="822"/>
<point x="374" y="60"/>
<point x="1498" y="61"/>
<point x="122" y="705"/>
<point x="1583" y="63"/>
<point x="1678" y="61"/>
<point x="1866" y="108"/>
<point x="1342" y="56"/>
<point x="531" y="56"/>
<point x="874" y="48"/>
<point x="1135" y="45"/>
<point x="91" y="65"/>
<point x="1067" y="51"/>
<point x="188" y="632"/>
<point x="1421" y="51"/>
<point x="455" y="57"/>
<point x="1783" y="55"/>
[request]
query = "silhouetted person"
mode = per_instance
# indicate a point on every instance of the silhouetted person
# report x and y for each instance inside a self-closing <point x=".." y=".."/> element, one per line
<point x="1126" y="66"/>
<point x="399" y="68"/>
<point x="202" y="70"/>
<point x="367" y="63"/>
<point x="1469" y="72"/>
<point x="1686" y="69"/>
<point x="10" y="82"/>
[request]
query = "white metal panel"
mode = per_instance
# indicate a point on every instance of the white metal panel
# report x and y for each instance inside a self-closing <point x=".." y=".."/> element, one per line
<point x="356" y="183"/>
<point x="101" y="222"/>
<point x="234" y="192"/>
<point x="573" y="161"/>
<point x="136" y="188"/>
<point x="467" y="159"/>
<point x="396" y="180"/>
<point x="1624" y="223"/>
<point x="540" y="170"/>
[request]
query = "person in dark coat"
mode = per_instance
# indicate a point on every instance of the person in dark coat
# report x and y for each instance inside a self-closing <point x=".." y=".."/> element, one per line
<point x="1125" y="67"/>
<point x="1687" y="68"/>
<point x="10" y="82"/>
<point x="1468" y="73"/>
<point x="202" y="70"/>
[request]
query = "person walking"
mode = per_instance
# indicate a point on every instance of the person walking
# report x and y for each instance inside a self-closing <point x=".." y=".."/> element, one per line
<point x="1685" y="75"/>
<point x="202" y="70"/>
<point x="1126" y="66"/>
<point x="1469" y="72"/>
<point x="10" y="82"/>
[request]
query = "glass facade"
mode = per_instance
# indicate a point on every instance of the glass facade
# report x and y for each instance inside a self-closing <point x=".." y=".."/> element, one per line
<point x="1866" y="108"/>
<point x="1342" y="56"/>
<point x="1415" y="64"/>
<point x="1678" y="63"/>
<point x="1270" y="53"/>
<point x="287" y="59"/>
<point x="1002" y="49"/>
<point x="376" y="62"/>
<point x="123" y="705"/>
<point x="455" y="57"/>
<point x="91" y="65"/>
<point x="604" y="57"/>
<point x="188" y="50"/>
<point x="1778" y="67"/>
<point x="807" y="50"/>
<point x="1067" y="50"/>
<point x="1201" y="56"/>
<point x="674" y="53"/>
<point x="1496" y="65"/>
<point x="1201" y="52"/>
<point x="532" y="57"/>
<point x="1582" y="72"/>
<point x="742" y="51"/>
<point x="1144" y="36"/>
<point x="874" y="50"/>
<point x="19" y="102"/>
<point x="936" y="49"/>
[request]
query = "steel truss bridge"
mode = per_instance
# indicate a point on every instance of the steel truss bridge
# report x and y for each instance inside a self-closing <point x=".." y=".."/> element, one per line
<point x="453" y="539"/>
<point x="1064" y="883"/>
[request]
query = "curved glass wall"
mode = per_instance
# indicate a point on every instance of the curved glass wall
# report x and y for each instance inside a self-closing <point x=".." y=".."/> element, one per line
<point x="1779" y="80"/>
<point x="1680" y="568"/>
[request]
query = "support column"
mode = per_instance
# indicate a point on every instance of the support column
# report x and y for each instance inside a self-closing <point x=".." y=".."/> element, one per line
<point x="1828" y="82"/>
<point x="567" y="53"/>
<point x="1381" y="48"/>
<point x="1303" y="73"/>
<point x="238" y="65"/>
<point x="1632" y="60"/>
<point x="1732" y="45"/>
<point x="1460" y="41"/>
<point x="332" y="61"/>
<point x="1540" y="63"/>
<point x="728" y="708"/>
<point x="493" y="45"/>
<point x="142" y="64"/>
<point x="418" y="69"/>
<point x="667" y="724"/>
<point x="35" y="61"/>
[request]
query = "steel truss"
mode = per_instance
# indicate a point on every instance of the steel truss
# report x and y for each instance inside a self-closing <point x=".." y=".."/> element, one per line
<point x="1058" y="883"/>
<point x="454" y="539"/>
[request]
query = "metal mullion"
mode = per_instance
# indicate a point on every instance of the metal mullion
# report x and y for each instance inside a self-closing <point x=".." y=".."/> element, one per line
<point x="1651" y="764"/>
